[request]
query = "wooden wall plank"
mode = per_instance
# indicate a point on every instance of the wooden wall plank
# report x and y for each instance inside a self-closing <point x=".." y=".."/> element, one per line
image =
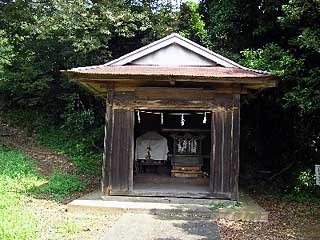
<point x="216" y="152"/>
<point x="234" y="180"/>
<point x="115" y="152"/>
<point x="131" y="149"/>
<point x="227" y="160"/>
<point x="118" y="151"/>
<point x="109" y="126"/>
<point x="225" y="137"/>
<point x="177" y="99"/>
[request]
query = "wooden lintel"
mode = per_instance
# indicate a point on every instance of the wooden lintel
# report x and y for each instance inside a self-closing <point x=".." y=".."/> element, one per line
<point x="186" y="93"/>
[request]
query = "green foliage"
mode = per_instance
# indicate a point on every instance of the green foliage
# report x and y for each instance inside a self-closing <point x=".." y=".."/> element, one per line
<point x="53" y="35"/>
<point x="271" y="58"/>
<point x="61" y="184"/>
<point x="191" y="23"/>
<point x="76" y="117"/>
<point x="302" y="18"/>
<point x="236" y="25"/>
<point x="305" y="92"/>
<point x="17" y="177"/>
<point x="79" y="148"/>
<point x="301" y="88"/>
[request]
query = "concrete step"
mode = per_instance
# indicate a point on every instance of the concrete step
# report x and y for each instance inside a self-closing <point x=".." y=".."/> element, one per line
<point x="175" y="208"/>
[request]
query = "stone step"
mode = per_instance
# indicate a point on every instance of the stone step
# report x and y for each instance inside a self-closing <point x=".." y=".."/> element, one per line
<point x="175" y="208"/>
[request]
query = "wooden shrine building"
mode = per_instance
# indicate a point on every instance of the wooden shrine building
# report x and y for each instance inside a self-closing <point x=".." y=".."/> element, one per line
<point x="180" y="103"/>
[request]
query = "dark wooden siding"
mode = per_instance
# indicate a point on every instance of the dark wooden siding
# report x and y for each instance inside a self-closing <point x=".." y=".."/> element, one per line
<point x="119" y="151"/>
<point x="225" y="151"/>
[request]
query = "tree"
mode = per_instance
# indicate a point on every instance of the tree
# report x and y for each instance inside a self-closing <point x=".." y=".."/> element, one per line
<point x="191" y="24"/>
<point x="49" y="36"/>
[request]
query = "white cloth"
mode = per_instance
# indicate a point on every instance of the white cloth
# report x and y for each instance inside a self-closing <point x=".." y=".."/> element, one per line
<point x="157" y="143"/>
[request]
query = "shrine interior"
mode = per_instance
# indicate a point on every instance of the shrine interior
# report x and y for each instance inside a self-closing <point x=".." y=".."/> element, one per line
<point x="172" y="151"/>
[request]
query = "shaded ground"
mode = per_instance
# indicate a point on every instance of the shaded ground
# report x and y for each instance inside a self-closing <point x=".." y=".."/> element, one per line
<point x="136" y="226"/>
<point x="287" y="220"/>
<point x="46" y="161"/>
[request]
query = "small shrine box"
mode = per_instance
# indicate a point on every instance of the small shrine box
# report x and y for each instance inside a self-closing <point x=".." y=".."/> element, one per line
<point x="187" y="158"/>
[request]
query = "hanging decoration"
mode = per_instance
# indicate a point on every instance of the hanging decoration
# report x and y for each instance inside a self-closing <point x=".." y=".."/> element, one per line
<point x="161" y="118"/>
<point x="138" y="116"/>
<point x="182" y="119"/>
<point x="204" y="118"/>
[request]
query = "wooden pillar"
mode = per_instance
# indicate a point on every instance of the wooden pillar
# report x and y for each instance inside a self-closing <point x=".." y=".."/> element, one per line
<point x="234" y="181"/>
<point x="225" y="137"/>
<point x="108" y="133"/>
<point x="117" y="170"/>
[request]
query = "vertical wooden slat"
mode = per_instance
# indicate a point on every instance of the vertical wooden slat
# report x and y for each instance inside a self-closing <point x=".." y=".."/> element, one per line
<point x="217" y="146"/>
<point x="116" y="141"/>
<point x="227" y="126"/>
<point x="212" y="153"/>
<point x="119" y="151"/>
<point x="225" y="135"/>
<point x="107" y="154"/>
<point x="235" y="148"/>
<point x="124" y="163"/>
<point x="131" y="149"/>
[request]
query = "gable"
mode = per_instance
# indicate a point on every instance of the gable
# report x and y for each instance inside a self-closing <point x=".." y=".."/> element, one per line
<point x="174" y="55"/>
<point x="170" y="46"/>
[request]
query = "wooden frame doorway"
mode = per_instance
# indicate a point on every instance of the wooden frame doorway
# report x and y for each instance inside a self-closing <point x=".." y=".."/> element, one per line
<point x="225" y="136"/>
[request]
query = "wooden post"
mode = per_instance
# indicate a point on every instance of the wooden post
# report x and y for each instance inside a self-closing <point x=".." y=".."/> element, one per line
<point x="118" y="158"/>
<point x="109" y="126"/>
<point x="235" y="148"/>
<point x="225" y="137"/>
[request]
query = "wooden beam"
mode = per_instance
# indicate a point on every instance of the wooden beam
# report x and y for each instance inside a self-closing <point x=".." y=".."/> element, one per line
<point x="234" y="180"/>
<point x="183" y="93"/>
<point x="108" y="146"/>
<point x="115" y="78"/>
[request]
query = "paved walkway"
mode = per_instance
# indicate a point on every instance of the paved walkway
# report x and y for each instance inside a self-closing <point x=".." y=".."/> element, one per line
<point x="144" y="226"/>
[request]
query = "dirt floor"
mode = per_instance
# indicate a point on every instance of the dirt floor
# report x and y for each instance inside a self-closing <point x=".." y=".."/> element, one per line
<point x="287" y="220"/>
<point x="57" y="223"/>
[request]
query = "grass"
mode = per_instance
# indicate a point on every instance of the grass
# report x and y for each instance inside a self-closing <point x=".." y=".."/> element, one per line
<point x="19" y="182"/>
<point x="17" y="177"/>
<point x="79" y="147"/>
<point x="61" y="185"/>
<point x="67" y="228"/>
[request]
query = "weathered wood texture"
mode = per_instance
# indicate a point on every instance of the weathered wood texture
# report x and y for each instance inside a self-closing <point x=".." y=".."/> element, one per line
<point x="119" y="151"/>
<point x="182" y="99"/>
<point x="119" y="141"/>
<point x="225" y="151"/>
<point x="108" y="136"/>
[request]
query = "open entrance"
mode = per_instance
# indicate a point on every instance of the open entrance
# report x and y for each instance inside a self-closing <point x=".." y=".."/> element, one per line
<point x="172" y="153"/>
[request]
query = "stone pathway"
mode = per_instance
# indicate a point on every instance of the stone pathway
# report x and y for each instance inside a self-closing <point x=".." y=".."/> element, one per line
<point x="143" y="226"/>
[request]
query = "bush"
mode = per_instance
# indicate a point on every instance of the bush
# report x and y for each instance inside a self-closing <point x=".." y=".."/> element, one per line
<point x="61" y="184"/>
<point x="82" y="149"/>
